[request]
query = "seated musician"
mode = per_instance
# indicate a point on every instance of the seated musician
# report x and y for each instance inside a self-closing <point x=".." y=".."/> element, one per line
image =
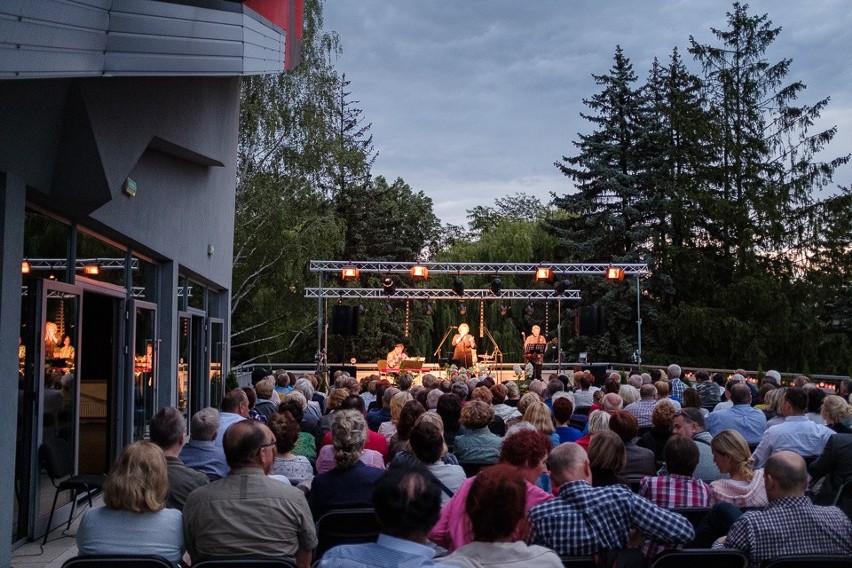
<point x="397" y="356"/>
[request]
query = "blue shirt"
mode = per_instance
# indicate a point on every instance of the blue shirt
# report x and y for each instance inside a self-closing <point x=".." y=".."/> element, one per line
<point x="226" y="420"/>
<point x="386" y="552"/>
<point x="796" y="434"/>
<point x="568" y="434"/>
<point x="677" y="387"/>
<point x="748" y="421"/>
<point x="477" y="446"/>
<point x="206" y="457"/>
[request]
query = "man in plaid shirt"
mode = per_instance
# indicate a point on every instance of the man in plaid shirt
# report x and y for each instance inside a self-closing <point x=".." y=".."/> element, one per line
<point x="791" y="524"/>
<point x="585" y="520"/>
<point x="677" y="385"/>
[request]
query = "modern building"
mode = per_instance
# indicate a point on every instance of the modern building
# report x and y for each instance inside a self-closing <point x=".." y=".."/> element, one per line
<point x="118" y="144"/>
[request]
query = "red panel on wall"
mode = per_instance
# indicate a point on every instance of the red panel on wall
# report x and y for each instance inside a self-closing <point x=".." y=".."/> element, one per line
<point x="288" y="15"/>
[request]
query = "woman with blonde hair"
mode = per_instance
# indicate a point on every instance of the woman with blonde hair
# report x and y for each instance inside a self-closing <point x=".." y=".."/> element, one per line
<point x="388" y="429"/>
<point x="539" y="416"/>
<point x="837" y="414"/>
<point x="732" y="455"/>
<point x="134" y="519"/>
<point x="598" y="421"/>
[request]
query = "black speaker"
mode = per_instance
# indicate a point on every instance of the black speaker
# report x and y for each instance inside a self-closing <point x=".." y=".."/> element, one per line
<point x="344" y="320"/>
<point x="589" y="320"/>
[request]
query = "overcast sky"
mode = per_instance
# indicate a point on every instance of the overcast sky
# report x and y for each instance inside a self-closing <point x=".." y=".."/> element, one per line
<point x="473" y="100"/>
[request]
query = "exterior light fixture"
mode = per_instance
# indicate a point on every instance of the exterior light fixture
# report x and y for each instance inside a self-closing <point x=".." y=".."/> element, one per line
<point x="25" y="267"/>
<point x="543" y="274"/>
<point x="419" y="272"/>
<point x="495" y="286"/>
<point x="388" y="286"/>
<point x="458" y="286"/>
<point x="614" y="273"/>
<point x="349" y="273"/>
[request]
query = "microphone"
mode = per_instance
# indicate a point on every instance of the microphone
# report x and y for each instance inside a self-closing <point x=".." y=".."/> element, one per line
<point x="524" y="335"/>
<point x="454" y="327"/>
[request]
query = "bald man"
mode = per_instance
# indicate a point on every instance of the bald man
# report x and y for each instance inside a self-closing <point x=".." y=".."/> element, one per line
<point x="791" y="524"/>
<point x="585" y="520"/>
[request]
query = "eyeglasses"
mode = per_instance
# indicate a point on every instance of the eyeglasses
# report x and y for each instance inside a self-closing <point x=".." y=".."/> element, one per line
<point x="266" y="445"/>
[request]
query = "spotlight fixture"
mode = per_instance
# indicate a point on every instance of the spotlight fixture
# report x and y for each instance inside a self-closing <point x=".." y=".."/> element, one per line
<point x="614" y="273"/>
<point x="495" y="286"/>
<point x="530" y="309"/>
<point x="361" y="310"/>
<point x="349" y="272"/>
<point x="561" y="286"/>
<point x="543" y="274"/>
<point x="462" y="308"/>
<point x="419" y="272"/>
<point x="25" y="267"/>
<point x="458" y="286"/>
<point x="388" y="285"/>
<point x="504" y="309"/>
<point x="430" y="307"/>
<point x="92" y="269"/>
<point x="340" y="301"/>
<point x="389" y="308"/>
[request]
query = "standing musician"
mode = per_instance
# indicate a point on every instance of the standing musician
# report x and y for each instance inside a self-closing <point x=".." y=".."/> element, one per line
<point x="397" y="356"/>
<point x="465" y="347"/>
<point x="530" y="354"/>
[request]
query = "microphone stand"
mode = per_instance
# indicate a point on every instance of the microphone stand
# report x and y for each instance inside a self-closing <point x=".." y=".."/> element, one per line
<point x="497" y="354"/>
<point x="441" y="344"/>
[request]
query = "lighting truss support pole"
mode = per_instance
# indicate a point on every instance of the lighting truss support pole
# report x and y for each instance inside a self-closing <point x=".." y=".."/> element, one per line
<point x="558" y="337"/>
<point x="638" y="323"/>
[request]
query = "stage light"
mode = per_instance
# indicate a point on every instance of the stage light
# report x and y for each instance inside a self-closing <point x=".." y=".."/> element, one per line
<point x="530" y="309"/>
<point x="429" y="308"/>
<point x="388" y="285"/>
<point x="496" y="286"/>
<point x="361" y="310"/>
<point x="419" y="272"/>
<point x="92" y="269"/>
<point x="25" y="267"/>
<point x="614" y="273"/>
<point x="340" y="301"/>
<point x="543" y="274"/>
<point x="458" y="286"/>
<point x="504" y="309"/>
<point x="462" y="308"/>
<point x="561" y="286"/>
<point x="389" y="308"/>
<point x="349" y="273"/>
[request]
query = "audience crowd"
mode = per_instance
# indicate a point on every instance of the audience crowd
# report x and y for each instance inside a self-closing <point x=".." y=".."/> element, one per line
<point x="463" y="471"/>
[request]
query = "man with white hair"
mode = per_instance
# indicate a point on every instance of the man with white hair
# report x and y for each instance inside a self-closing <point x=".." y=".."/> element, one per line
<point x="677" y="385"/>
<point x="201" y="451"/>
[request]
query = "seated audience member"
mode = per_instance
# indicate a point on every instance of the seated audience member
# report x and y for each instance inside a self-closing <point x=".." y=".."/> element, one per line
<point x="584" y="520"/>
<point x="640" y="461"/>
<point x="678" y="487"/>
<point x="815" y="398"/>
<point x="607" y="458"/>
<point x="134" y="519"/>
<point x="483" y="393"/>
<point x="309" y="433"/>
<point x="796" y="434"/>
<point x="282" y="383"/>
<point x="629" y="394"/>
<point x="477" y="444"/>
<point x="737" y="378"/>
<point x="251" y="396"/>
<point x="524" y="450"/>
<point x="707" y="390"/>
<point x="689" y="423"/>
<point x="642" y="408"/>
<point x="223" y="518"/>
<point x="538" y="414"/>
<point x="748" y="421"/>
<point x="583" y="396"/>
<point x="333" y="403"/>
<point x="611" y="402"/>
<point x="496" y="507"/>
<point x="832" y="469"/>
<point x="286" y="430"/>
<point x="692" y="400"/>
<point x="313" y="410"/>
<point x="350" y="483"/>
<point x="432" y="398"/>
<point x="513" y="395"/>
<point x="791" y="524"/>
<point x="449" y="409"/>
<point x="264" y="405"/>
<point x="166" y="429"/>
<point x="201" y="451"/>
<point x="745" y="488"/>
<point x="663" y="389"/>
<point x="378" y="416"/>
<point x="500" y="394"/>
<point x="235" y="408"/>
<point x="407" y="501"/>
<point x="563" y="410"/>
<point x="837" y="414"/>
<point x="598" y="421"/>
<point x="388" y="429"/>
<point x="427" y="447"/>
<point x="409" y="415"/>
<point x="375" y="441"/>
<point x="662" y="419"/>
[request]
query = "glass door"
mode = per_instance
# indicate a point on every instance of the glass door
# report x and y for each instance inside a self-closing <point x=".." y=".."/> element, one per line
<point x="216" y="341"/>
<point x="145" y="348"/>
<point x="184" y="364"/>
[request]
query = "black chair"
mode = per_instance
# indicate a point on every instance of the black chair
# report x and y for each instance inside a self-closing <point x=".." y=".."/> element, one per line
<point x="701" y="558"/>
<point x="118" y="561"/>
<point x="472" y="468"/>
<point x="55" y="457"/>
<point x="809" y="561"/>
<point x="693" y="514"/>
<point x="578" y="561"/>
<point x="346" y="526"/>
<point x="247" y="561"/>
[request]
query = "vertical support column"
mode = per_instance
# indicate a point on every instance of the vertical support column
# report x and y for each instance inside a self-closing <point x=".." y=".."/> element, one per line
<point x="638" y="322"/>
<point x="12" y="205"/>
<point x="167" y="332"/>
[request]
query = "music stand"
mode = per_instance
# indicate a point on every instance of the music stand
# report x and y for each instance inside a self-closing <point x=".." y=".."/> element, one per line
<point x="414" y="365"/>
<point x="535" y="348"/>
